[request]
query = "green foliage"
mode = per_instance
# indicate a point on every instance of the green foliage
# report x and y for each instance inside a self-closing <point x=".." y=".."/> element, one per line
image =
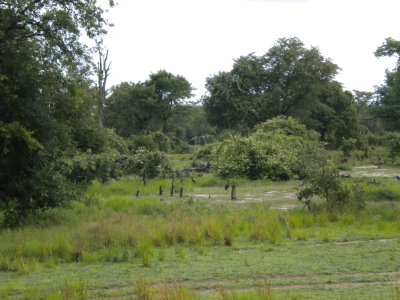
<point x="46" y="107"/>
<point x="334" y="116"/>
<point x="289" y="80"/>
<point x="287" y="126"/>
<point x="87" y="167"/>
<point x="188" y="237"/>
<point x="278" y="149"/>
<point x="143" y="289"/>
<point x="133" y="108"/>
<point x="325" y="183"/>
<point x="155" y="140"/>
<point x="30" y="178"/>
<point x="388" y="95"/>
<point x="382" y="190"/>
<point x="145" y="251"/>
<point x="393" y="144"/>
<point x="190" y="124"/>
<point x="149" y="163"/>
<point x="347" y="146"/>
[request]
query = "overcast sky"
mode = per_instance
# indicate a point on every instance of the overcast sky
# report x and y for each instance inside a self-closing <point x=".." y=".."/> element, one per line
<point x="198" y="38"/>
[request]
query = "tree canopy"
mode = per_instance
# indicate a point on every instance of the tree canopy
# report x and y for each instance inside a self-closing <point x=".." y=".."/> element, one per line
<point x="289" y="80"/>
<point x="133" y="108"/>
<point x="46" y="98"/>
<point x="387" y="106"/>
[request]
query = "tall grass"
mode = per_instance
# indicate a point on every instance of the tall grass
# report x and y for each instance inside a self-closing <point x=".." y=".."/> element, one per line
<point x="120" y="228"/>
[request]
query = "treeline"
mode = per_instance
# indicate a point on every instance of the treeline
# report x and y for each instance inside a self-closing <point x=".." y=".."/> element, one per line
<point x="289" y="80"/>
<point x="51" y="145"/>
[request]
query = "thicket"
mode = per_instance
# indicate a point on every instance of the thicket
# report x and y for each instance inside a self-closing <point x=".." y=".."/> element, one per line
<point x="278" y="149"/>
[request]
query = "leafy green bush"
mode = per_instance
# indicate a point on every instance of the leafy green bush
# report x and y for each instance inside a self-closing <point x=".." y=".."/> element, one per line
<point x="325" y="183"/>
<point x="31" y="177"/>
<point x="150" y="163"/>
<point x="347" y="146"/>
<point x="279" y="149"/>
<point x="393" y="144"/>
<point x="153" y="141"/>
<point x="86" y="167"/>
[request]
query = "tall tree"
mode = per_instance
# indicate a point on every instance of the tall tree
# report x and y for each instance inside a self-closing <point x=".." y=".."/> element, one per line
<point x="171" y="91"/>
<point x="135" y="107"/>
<point x="132" y="109"/>
<point x="289" y="80"/>
<point x="43" y="94"/>
<point x="388" y="95"/>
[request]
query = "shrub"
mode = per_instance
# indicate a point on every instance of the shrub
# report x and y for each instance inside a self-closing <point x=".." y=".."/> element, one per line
<point x="153" y="141"/>
<point x="326" y="183"/>
<point x="279" y="150"/>
<point x="145" y="251"/>
<point x="151" y="164"/>
<point x="347" y="146"/>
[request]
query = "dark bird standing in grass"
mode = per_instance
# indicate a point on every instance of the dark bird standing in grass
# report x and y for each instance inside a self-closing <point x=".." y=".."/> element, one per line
<point x="226" y="187"/>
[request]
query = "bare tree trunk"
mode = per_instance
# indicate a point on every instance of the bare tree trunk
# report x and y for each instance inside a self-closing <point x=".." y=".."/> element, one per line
<point x="103" y="71"/>
<point x="233" y="192"/>
<point x="181" y="192"/>
<point x="172" y="187"/>
<point x="144" y="178"/>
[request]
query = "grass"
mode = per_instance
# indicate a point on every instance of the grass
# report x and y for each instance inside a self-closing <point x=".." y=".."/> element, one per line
<point x="199" y="248"/>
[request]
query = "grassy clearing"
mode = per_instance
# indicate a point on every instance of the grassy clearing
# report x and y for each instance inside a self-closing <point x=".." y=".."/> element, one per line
<point x="117" y="245"/>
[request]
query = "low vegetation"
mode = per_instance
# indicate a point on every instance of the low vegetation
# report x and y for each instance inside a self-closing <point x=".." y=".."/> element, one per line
<point x="170" y="242"/>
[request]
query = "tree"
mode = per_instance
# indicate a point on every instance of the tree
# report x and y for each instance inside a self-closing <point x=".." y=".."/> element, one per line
<point x="44" y="96"/>
<point x="132" y="109"/>
<point x="387" y="106"/>
<point x="136" y="107"/>
<point x="334" y="116"/>
<point x="171" y="91"/>
<point x="103" y="71"/>
<point x="287" y="80"/>
<point x="369" y="123"/>
<point x="189" y="123"/>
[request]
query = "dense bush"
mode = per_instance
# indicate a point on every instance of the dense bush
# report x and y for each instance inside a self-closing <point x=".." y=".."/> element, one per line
<point x="30" y="177"/>
<point x="148" y="163"/>
<point x="325" y="183"/>
<point x="393" y="144"/>
<point x="279" y="149"/>
<point x="87" y="167"/>
<point x="154" y="141"/>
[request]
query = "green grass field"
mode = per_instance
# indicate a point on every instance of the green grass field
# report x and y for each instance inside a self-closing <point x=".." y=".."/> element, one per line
<point x="202" y="246"/>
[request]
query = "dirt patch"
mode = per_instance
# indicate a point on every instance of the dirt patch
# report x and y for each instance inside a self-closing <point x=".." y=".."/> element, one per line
<point x="370" y="171"/>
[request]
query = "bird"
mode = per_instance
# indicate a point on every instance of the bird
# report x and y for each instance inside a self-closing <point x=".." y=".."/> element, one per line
<point x="226" y="187"/>
<point x="194" y="181"/>
<point x="137" y="194"/>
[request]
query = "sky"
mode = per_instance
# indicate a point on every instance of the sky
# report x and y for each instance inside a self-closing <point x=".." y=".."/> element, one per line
<point x="199" y="38"/>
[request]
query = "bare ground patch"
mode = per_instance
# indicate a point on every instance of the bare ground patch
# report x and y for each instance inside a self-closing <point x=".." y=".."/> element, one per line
<point x="371" y="171"/>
